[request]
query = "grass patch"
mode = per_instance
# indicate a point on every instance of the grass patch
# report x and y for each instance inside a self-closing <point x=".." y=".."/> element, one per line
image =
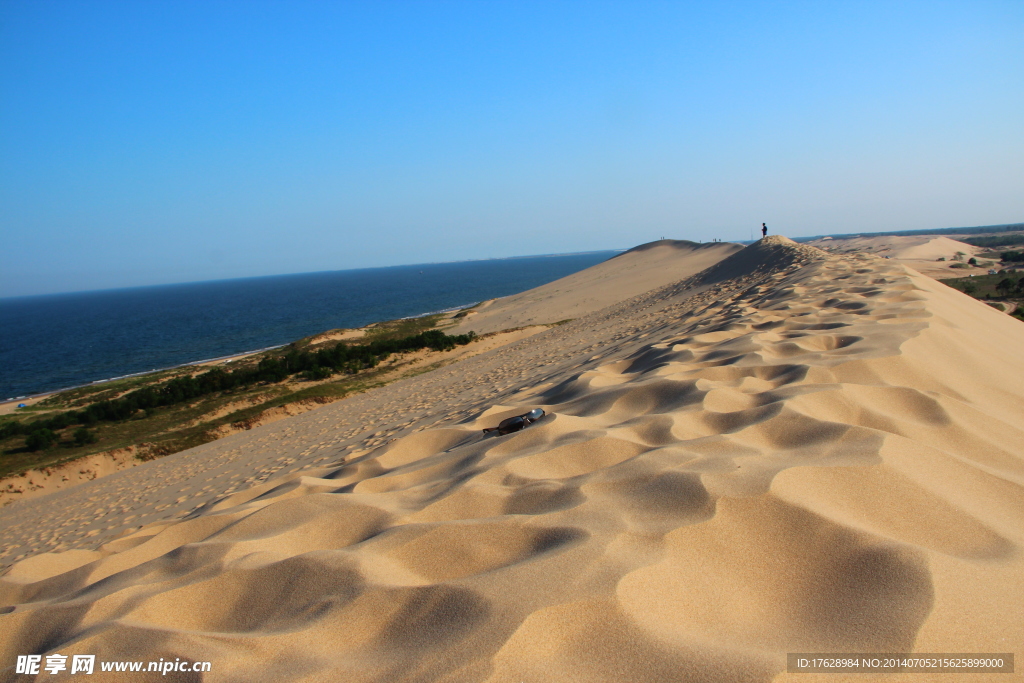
<point x="105" y="391"/>
<point x="987" y="287"/>
<point x="407" y="327"/>
<point x="172" y="428"/>
<point x="1003" y="287"/>
<point x="165" y="431"/>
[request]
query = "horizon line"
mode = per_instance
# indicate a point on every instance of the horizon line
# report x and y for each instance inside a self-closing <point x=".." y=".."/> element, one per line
<point x="1006" y="227"/>
<point x="306" y="272"/>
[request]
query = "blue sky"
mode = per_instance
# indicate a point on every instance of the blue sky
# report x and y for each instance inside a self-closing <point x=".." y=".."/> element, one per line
<point x="153" y="142"/>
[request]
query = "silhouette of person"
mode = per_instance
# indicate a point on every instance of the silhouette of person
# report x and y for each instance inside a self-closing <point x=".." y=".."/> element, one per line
<point x="764" y="230"/>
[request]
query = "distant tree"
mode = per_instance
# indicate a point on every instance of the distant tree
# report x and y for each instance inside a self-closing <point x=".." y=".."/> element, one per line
<point x="969" y="288"/>
<point x="972" y="261"/>
<point x="12" y="428"/>
<point x="996" y="240"/>
<point x="84" y="437"/>
<point x="317" y="372"/>
<point x="320" y="364"/>
<point x="40" y="439"/>
<point x="1005" y="286"/>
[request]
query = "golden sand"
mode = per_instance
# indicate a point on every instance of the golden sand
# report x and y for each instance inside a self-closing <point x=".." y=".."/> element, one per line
<point x="787" y="452"/>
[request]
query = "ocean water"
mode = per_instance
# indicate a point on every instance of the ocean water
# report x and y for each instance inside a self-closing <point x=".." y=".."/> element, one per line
<point x="64" y="340"/>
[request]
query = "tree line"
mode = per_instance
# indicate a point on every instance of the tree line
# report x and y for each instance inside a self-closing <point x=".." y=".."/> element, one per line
<point x="1007" y="286"/>
<point x="995" y="240"/>
<point x="319" y="364"/>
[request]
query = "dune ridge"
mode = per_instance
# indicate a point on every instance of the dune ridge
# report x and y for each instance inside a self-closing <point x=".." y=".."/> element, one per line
<point x="632" y="273"/>
<point x="789" y="451"/>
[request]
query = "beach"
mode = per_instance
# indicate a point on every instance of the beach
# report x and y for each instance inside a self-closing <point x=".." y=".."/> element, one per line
<point x="746" y="452"/>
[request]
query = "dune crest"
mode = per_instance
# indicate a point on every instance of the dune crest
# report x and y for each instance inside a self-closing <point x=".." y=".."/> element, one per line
<point x="788" y="451"/>
<point x="631" y="273"/>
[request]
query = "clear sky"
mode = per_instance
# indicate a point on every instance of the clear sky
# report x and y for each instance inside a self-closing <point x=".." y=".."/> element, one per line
<point x="150" y="142"/>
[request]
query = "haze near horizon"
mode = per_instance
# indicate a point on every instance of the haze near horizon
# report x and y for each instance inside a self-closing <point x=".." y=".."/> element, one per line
<point x="145" y="143"/>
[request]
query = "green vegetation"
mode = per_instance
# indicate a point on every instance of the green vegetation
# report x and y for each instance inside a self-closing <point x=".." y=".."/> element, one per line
<point x="38" y="439"/>
<point x="84" y="437"/>
<point x="1006" y="287"/>
<point x="313" y="365"/>
<point x="1001" y="285"/>
<point x="178" y="409"/>
<point x="990" y="241"/>
<point x="406" y="327"/>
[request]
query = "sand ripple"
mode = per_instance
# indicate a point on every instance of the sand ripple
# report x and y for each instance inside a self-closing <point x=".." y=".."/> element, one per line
<point x="788" y="452"/>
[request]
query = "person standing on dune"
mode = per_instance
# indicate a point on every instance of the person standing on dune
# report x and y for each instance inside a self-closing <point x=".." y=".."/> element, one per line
<point x="764" y="230"/>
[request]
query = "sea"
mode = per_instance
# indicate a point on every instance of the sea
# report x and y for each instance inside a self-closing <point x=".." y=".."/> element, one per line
<point x="61" y="341"/>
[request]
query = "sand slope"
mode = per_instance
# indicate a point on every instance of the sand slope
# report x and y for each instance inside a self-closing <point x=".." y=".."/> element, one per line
<point x="788" y="452"/>
<point x="621" y="277"/>
<point x="920" y="252"/>
<point x="906" y="247"/>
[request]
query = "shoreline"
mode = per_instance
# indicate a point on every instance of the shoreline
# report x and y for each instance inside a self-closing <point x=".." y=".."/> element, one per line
<point x="50" y="478"/>
<point x="442" y="311"/>
<point x="545" y="307"/>
<point x="229" y="357"/>
<point x="112" y="348"/>
<point x="921" y="265"/>
<point x="44" y="394"/>
<point x="788" y="450"/>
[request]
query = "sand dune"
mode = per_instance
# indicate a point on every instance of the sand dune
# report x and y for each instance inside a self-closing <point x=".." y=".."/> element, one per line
<point x="621" y="277"/>
<point x="40" y="482"/>
<point x="932" y="249"/>
<point x="920" y="252"/>
<point x="924" y="247"/>
<point x="789" y="451"/>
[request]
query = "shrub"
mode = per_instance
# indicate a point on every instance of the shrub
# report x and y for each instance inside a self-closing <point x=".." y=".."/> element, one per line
<point x="317" y="365"/>
<point x="84" y="437"/>
<point x="317" y="372"/>
<point x="12" y="428"/>
<point x="40" y="439"/>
